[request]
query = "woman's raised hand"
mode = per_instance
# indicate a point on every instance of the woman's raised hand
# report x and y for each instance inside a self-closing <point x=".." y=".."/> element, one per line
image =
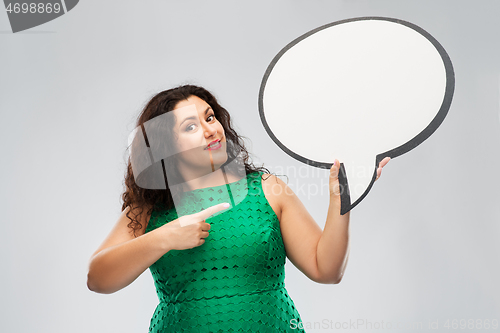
<point x="190" y="231"/>
<point x="334" y="175"/>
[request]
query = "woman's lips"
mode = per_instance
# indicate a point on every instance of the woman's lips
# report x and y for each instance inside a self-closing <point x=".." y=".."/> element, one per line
<point x="214" y="146"/>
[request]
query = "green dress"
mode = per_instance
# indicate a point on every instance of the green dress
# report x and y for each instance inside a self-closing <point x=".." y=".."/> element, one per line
<point x="234" y="282"/>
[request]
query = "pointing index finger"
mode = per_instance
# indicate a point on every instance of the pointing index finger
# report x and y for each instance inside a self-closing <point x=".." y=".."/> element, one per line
<point x="206" y="213"/>
<point x="203" y="215"/>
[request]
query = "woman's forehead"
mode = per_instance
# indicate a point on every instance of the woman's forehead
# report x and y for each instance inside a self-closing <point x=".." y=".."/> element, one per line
<point x="185" y="109"/>
<point x="191" y="109"/>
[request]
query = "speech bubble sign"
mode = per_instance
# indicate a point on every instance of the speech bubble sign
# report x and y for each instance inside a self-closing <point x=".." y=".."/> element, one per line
<point x="358" y="90"/>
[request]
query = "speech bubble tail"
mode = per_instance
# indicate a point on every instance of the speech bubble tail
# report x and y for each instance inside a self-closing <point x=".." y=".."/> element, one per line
<point x="345" y="197"/>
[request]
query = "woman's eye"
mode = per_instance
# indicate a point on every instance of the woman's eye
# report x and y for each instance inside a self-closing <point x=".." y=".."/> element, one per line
<point x="190" y="127"/>
<point x="211" y="116"/>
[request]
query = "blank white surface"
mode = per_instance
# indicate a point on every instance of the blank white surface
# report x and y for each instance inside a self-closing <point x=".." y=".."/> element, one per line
<point x="352" y="91"/>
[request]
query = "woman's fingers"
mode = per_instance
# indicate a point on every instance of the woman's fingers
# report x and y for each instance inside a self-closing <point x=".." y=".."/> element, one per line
<point x="334" y="174"/>
<point x="203" y="215"/>
<point x="206" y="213"/>
<point x="382" y="164"/>
<point x="334" y="170"/>
<point x="334" y="177"/>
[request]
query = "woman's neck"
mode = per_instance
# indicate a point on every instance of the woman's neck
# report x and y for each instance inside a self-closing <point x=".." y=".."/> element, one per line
<point x="216" y="178"/>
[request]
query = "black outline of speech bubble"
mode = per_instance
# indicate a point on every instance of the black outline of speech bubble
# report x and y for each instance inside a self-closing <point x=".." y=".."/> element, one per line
<point x="404" y="148"/>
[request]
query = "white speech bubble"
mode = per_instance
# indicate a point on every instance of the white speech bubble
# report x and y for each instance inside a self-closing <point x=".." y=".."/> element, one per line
<point x="357" y="90"/>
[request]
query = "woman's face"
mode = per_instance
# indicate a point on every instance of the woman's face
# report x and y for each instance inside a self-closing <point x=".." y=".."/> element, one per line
<point x="201" y="143"/>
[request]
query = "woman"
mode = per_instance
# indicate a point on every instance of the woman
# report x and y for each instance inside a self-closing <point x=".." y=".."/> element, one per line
<point x="227" y="274"/>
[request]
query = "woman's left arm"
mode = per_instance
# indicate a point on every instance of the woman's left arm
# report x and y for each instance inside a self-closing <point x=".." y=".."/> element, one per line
<point x="320" y="255"/>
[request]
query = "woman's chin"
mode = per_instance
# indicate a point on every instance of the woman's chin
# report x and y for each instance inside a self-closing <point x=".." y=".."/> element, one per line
<point x="219" y="156"/>
<point x="219" y="162"/>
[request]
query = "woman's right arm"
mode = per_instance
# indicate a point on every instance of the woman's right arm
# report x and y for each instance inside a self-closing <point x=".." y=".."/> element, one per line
<point x="122" y="257"/>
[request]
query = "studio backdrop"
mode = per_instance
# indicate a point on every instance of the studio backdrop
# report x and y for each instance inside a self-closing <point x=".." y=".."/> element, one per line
<point x="424" y="251"/>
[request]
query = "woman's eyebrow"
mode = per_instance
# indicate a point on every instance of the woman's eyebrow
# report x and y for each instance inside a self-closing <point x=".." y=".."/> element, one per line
<point x="193" y="117"/>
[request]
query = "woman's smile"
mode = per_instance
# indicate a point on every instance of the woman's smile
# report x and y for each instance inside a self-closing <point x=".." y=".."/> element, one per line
<point x="214" y="145"/>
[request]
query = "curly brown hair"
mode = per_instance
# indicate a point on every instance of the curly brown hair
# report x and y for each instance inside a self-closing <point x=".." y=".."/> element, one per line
<point x="150" y="195"/>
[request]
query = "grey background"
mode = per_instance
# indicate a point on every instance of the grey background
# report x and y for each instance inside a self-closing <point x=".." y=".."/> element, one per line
<point x="424" y="243"/>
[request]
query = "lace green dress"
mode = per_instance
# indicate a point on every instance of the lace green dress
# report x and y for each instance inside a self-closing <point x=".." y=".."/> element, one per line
<point x="234" y="282"/>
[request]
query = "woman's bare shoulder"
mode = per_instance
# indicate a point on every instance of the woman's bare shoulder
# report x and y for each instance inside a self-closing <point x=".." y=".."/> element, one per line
<point x="274" y="188"/>
<point x="273" y="181"/>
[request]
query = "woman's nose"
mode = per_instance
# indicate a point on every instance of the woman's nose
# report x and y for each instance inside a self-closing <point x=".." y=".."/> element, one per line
<point x="210" y="131"/>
